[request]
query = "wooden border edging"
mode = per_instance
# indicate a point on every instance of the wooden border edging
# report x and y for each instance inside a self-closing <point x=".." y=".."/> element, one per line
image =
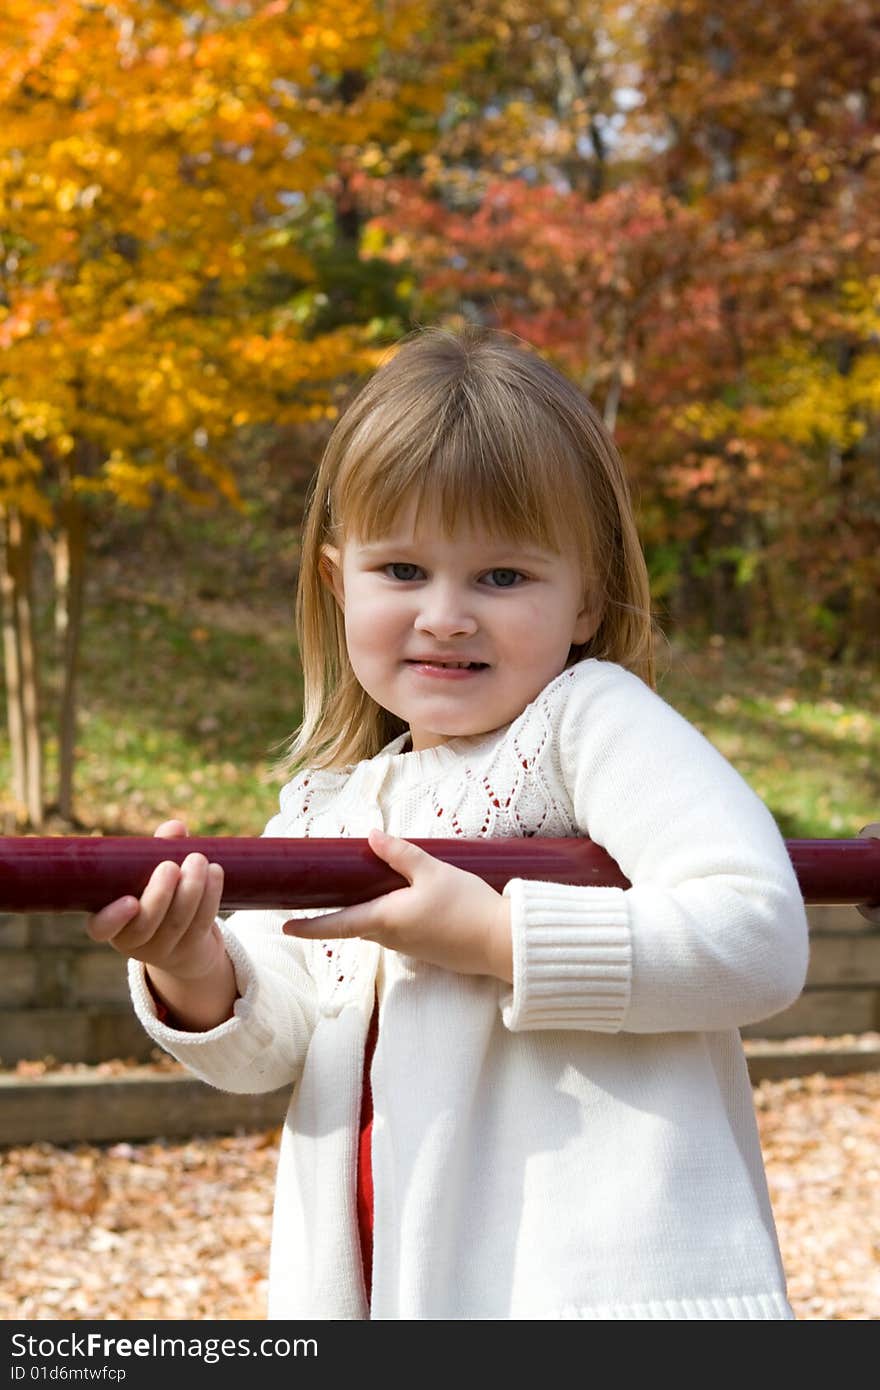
<point x="769" y="1062"/>
<point x="93" y="1108"/>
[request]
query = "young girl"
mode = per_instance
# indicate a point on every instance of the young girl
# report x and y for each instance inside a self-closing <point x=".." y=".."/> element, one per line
<point x="522" y="1105"/>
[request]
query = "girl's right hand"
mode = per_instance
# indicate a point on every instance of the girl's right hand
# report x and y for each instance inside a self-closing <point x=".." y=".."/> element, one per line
<point x="173" y="927"/>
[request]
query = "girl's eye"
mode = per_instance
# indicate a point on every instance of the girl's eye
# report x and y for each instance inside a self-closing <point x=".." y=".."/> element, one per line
<point x="405" y="573"/>
<point x="410" y="571"/>
<point x="505" y="579"/>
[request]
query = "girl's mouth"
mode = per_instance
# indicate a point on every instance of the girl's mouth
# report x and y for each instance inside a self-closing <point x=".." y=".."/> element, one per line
<point x="451" y="670"/>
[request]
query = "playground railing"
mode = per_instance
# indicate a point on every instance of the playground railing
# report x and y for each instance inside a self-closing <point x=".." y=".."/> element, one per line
<point x="72" y="873"/>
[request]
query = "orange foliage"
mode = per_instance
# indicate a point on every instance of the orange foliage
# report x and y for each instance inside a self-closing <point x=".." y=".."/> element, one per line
<point x="154" y="167"/>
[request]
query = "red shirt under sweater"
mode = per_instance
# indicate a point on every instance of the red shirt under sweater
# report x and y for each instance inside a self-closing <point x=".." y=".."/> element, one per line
<point x="364" y="1165"/>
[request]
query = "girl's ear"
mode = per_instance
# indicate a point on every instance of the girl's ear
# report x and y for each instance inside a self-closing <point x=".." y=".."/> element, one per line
<point x="587" y="622"/>
<point x="330" y="570"/>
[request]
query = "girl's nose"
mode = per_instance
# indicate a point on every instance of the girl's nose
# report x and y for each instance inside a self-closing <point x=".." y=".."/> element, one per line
<point x="444" y="614"/>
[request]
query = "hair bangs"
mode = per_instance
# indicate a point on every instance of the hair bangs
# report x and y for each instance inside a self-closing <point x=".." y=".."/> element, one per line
<point x="494" y="461"/>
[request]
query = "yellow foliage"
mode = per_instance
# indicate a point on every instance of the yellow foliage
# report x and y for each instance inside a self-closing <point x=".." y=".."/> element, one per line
<point x="706" y="420"/>
<point x="809" y="401"/>
<point x="26" y="499"/>
<point x="799" y="396"/>
<point x="147" y="157"/>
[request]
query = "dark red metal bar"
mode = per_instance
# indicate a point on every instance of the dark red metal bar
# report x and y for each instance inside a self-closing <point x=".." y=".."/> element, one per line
<point x="84" y="873"/>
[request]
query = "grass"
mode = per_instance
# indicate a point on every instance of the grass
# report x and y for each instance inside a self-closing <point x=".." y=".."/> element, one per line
<point x="804" y="734"/>
<point x="182" y="715"/>
<point x="190" y="682"/>
<point x="186" y="694"/>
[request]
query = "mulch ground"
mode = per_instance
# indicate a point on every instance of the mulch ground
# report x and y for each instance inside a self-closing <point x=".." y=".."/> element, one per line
<point x="181" y="1230"/>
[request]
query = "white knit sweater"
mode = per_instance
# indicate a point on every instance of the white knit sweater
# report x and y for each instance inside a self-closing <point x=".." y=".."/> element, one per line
<point x="583" y="1144"/>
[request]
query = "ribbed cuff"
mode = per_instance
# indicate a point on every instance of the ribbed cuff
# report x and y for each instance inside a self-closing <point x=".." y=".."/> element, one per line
<point x="572" y="957"/>
<point x="196" y="1049"/>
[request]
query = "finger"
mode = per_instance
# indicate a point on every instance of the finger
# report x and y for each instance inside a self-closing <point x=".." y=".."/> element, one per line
<point x="402" y="855"/>
<point x="216" y="879"/>
<point x="196" y="902"/>
<point x="154" y="904"/>
<point x="188" y="895"/>
<point x="169" y="828"/>
<point x="335" y="926"/>
<point x="104" y="925"/>
<point x="207" y="890"/>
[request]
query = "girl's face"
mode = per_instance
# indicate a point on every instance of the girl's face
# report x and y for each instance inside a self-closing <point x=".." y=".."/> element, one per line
<point x="417" y="604"/>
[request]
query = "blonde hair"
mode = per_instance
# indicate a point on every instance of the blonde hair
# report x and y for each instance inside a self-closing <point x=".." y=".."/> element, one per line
<point x="475" y="423"/>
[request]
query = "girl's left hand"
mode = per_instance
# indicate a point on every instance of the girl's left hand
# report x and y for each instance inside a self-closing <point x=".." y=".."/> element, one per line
<point x="445" y="916"/>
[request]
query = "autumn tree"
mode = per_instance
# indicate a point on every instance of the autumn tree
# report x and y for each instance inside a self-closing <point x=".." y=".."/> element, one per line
<point x="770" y="129"/>
<point x="163" y="175"/>
<point x="706" y="268"/>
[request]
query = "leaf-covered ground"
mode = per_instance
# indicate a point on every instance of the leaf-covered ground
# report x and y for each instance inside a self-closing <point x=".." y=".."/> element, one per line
<point x="181" y="1230"/>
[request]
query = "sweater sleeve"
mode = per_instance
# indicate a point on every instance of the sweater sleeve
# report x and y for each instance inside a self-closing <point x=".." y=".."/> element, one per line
<point x="263" y="1045"/>
<point x="711" y="935"/>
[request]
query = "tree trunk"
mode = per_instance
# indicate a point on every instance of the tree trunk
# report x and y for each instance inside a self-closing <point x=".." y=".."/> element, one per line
<point x="20" y="655"/>
<point x="348" y="215"/>
<point x="69" y="582"/>
<point x="612" y="399"/>
<point x="12" y="669"/>
<point x="611" y="405"/>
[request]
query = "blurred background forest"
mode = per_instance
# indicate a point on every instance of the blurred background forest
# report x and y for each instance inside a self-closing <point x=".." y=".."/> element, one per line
<point x="216" y="217"/>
